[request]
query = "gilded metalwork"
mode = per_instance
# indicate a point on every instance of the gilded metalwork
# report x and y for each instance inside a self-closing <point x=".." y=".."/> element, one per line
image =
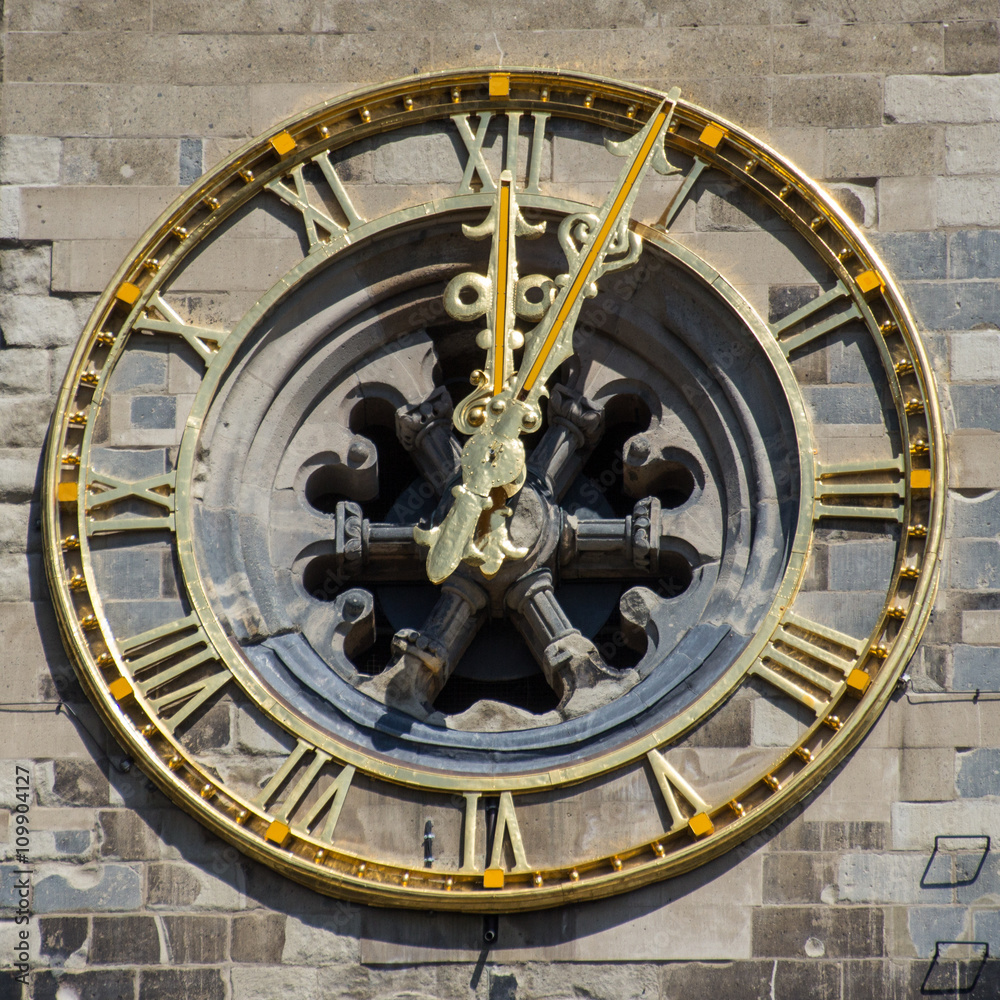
<point x="150" y="686"/>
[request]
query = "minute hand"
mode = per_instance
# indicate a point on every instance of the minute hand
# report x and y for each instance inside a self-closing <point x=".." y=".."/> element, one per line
<point x="552" y="341"/>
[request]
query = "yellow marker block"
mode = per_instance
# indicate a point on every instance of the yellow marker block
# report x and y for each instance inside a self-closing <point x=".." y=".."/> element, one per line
<point x="282" y="143"/>
<point x="920" y="479"/>
<point x="499" y="84"/>
<point x="701" y="825"/>
<point x="120" y="689"/>
<point x="278" y="833"/>
<point x="128" y="293"/>
<point x="868" y="281"/>
<point x="857" y="682"/>
<point x="711" y="136"/>
<point x="66" y="492"/>
<point x="493" y="878"/>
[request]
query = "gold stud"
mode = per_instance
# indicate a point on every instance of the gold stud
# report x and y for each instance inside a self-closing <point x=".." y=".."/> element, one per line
<point x="658" y="849"/>
<point x="77" y="582"/>
<point x="574" y="876"/>
<point x="319" y="857"/>
<point x="247" y="175"/>
<point x="805" y="753"/>
<point x="70" y="542"/>
<point x="456" y="95"/>
<point x="448" y="883"/>
<point x="366" y="115"/>
<point x="833" y="721"/>
<point x="537" y="879"/>
<point x="174" y="762"/>
<point x="772" y="782"/>
<point x="544" y="95"/>
<point x="180" y="232"/>
<point x="815" y="222"/>
<point x="408" y="104"/>
<point x="207" y="791"/>
<point x="630" y="111"/>
<point x="738" y="808"/>
<point x="406" y="879"/>
<point x="211" y="202"/>
<point x="616" y="863"/>
<point x="242" y="816"/>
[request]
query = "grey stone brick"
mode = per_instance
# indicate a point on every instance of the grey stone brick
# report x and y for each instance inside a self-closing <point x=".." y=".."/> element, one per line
<point x="154" y="412"/>
<point x="985" y="888"/>
<point x="960" y="99"/>
<point x="258" y="937"/>
<point x="809" y="979"/>
<point x="128" y="940"/>
<point x="981" y="628"/>
<point x="974" y="565"/>
<point x="904" y="203"/>
<point x="60" y="937"/>
<point x="44" y="15"/>
<point x="843" y="404"/>
<point x="887" y="980"/>
<point x="159" y="111"/>
<point x="76" y="783"/>
<point x="53" y="109"/>
<point x="183" y="886"/>
<point x="26" y="270"/>
<point x="913" y="256"/>
<point x="971" y="149"/>
<point x="29" y="159"/>
<point x="975" y="253"/>
<point x="192" y="984"/>
<point x="967" y="201"/>
<point x="927" y="774"/>
<point x="886" y="878"/>
<point x="793" y="932"/>
<point x="855" y="48"/>
<point x="971" y="47"/>
<point x="834" y="101"/>
<point x="957" y="305"/>
<point x="975" y="357"/>
<point x="127" y="836"/>
<point x="896" y="151"/>
<point x="798" y="877"/>
<point x="930" y="924"/>
<point x="18" y="472"/>
<point x="979" y="516"/>
<point x="979" y="770"/>
<point x="110" y="984"/>
<point x="861" y="565"/>
<point x="191" y="160"/>
<point x="196" y="940"/>
<point x="74" y="842"/>
<point x="37" y="321"/>
<point x="738" y="980"/>
<point x="91" y="888"/>
<point x="119" y="161"/>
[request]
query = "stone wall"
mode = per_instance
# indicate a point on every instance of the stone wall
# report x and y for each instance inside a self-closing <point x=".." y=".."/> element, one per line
<point x="110" y="107"/>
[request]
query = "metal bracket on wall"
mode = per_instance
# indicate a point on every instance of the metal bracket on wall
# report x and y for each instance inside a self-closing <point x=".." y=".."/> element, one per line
<point x="964" y="979"/>
<point x="945" y="854"/>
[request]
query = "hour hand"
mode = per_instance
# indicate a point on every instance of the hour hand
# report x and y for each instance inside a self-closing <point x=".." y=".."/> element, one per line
<point x="491" y="296"/>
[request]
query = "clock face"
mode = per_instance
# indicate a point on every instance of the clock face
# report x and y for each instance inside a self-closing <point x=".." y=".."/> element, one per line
<point x="494" y="490"/>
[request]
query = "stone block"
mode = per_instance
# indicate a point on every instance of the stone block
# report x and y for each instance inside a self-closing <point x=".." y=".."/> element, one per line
<point x="927" y="774"/>
<point x="967" y="201"/>
<point x="855" y="48"/>
<point x="273" y="102"/>
<point x="110" y="984"/>
<point x="142" y="162"/>
<point x="874" y="769"/>
<point x="843" y="404"/>
<point x="971" y="47"/>
<point x="173" y="886"/>
<point x="190" y="160"/>
<point x="971" y="149"/>
<point x="973" y="516"/>
<point x="61" y="937"/>
<point x="936" y="724"/>
<point x="159" y="111"/>
<point x="912" y="256"/>
<point x="87" y="888"/>
<point x="258" y="938"/>
<point x="126" y="940"/>
<point x="904" y="204"/>
<point x="126" y="835"/>
<point x="895" y="980"/>
<point x="21" y="577"/>
<point x="886" y="878"/>
<point x="861" y="565"/>
<point x="74" y="783"/>
<point x="51" y="15"/>
<point x="29" y="159"/>
<point x="975" y="253"/>
<point x="805" y="147"/>
<point x="739" y="98"/>
<point x="86" y="265"/>
<point x="834" y="101"/>
<point x="229" y="59"/>
<point x="982" y="889"/>
<point x="55" y="109"/>
<point x="799" y="877"/>
<point x="812" y="979"/>
<point x="26" y="270"/>
<point x="979" y="770"/>
<point x="959" y="99"/>
<point x="192" y="16"/>
<point x="196" y="940"/>
<point x="929" y="924"/>
<point x="322" y="940"/>
<point x="264" y="982"/>
<point x="957" y="305"/>
<point x="895" y="151"/>
<point x="108" y="57"/>
<point x="975" y="357"/>
<point x="818" y="932"/>
<point x="37" y="321"/>
<point x="192" y="984"/>
<point x="735" y="980"/>
<point x="981" y="628"/>
<point x="24" y="371"/>
<point x="916" y="824"/>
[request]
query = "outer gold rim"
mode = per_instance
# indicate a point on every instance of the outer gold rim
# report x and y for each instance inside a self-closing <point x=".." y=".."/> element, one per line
<point x="183" y="784"/>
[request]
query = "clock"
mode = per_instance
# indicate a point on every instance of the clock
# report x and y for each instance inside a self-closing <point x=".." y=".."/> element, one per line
<point x="493" y="490"/>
